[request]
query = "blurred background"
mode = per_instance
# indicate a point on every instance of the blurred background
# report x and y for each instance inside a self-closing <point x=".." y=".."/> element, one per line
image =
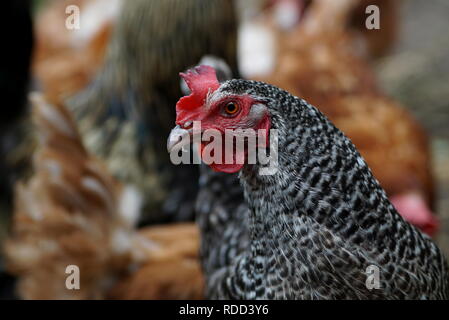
<point x="416" y="73"/>
<point x="104" y="67"/>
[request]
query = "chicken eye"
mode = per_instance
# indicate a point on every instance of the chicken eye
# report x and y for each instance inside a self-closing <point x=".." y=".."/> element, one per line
<point x="231" y="108"/>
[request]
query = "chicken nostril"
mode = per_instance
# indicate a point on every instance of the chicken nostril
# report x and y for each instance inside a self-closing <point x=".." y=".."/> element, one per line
<point x="187" y="125"/>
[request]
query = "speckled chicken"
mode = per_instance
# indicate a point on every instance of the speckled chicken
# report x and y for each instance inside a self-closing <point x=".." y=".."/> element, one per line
<point x="317" y="222"/>
<point x="126" y="113"/>
<point x="319" y="61"/>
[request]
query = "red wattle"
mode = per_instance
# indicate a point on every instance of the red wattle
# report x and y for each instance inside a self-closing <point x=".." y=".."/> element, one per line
<point x="227" y="168"/>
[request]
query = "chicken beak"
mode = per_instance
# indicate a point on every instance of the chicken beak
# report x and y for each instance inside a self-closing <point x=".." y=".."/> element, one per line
<point x="178" y="138"/>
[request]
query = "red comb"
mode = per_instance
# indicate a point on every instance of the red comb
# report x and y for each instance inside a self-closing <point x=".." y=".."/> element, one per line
<point x="201" y="80"/>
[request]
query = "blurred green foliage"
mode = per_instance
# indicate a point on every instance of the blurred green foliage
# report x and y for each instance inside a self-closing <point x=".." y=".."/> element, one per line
<point x="37" y="4"/>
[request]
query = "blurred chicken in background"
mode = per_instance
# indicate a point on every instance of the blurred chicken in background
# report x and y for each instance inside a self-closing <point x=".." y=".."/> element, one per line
<point x="318" y="61"/>
<point x="171" y="269"/>
<point x="126" y="113"/>
<point x="125" y="116"/>
<point x="73" y="212"/>
<point x="263" y="22"/>
<point x="63" y="62"/>
<point x="378" y="41"/>
<point x="66" y="214"/>
<point x="66" y="60"/>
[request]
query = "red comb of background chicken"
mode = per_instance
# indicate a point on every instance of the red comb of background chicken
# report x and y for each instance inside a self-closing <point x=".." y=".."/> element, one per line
<point x="201" y="80"/>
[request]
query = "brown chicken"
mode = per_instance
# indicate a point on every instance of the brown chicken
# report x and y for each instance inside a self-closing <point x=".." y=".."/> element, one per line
<point x="318" y="62"/>
<point x="72" y="212"/>
<point x="288" y="13"/>
<point x="66" y="60"/>
<point x="173" y="272"/>
<point x="378" y="41"/>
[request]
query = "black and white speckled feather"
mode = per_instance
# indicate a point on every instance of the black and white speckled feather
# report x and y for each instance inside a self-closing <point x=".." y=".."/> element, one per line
<point x="311" y="230"/>
<point x="222" y="215"/>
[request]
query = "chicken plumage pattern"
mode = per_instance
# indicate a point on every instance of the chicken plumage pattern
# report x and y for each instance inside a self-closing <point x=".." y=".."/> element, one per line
<point x="319" y="61"/>
<point x="321" y="220"/>
<point x="126" y="113"/>
<point x="72" y="212"/>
